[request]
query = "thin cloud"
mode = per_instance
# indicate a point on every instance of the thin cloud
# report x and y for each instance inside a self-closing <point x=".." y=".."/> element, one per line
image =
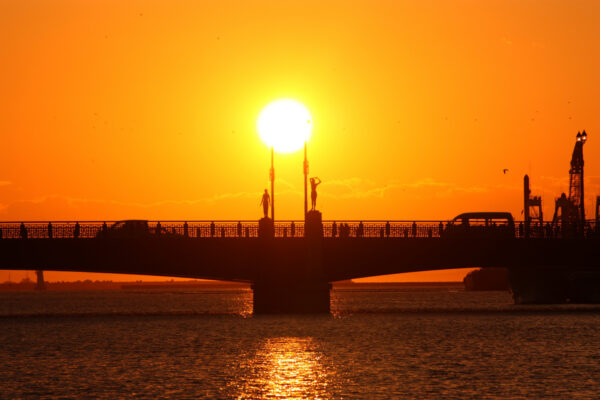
<point x="361" y="188"/>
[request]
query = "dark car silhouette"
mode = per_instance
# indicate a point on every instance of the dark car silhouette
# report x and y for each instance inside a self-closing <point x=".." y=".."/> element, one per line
<point x="482" y="224"/>
<point x="127" y="228"/>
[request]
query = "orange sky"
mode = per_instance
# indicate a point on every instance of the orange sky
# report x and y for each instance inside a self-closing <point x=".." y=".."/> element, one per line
<point x="147" y="109"/>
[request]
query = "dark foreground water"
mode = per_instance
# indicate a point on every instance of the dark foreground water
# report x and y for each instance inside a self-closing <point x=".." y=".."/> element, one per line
<point x="401" y="343"/>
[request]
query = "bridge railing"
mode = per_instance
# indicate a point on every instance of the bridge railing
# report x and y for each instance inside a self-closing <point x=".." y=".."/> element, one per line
<point x="375" y="229"/>
<point x="249" y="229"/>
<point x="590" y="228"/>
<point x="194" y="229"/>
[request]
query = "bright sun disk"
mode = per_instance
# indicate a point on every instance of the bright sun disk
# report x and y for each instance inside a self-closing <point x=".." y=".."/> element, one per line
<point x="285" y="125"/>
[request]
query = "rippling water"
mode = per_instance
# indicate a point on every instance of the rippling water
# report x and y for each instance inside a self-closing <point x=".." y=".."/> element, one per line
<point x="400" y="343"/>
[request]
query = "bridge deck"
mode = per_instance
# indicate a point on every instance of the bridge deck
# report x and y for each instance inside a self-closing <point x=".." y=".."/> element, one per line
<point x="249" y="229"/>
<point x="290" y="259"/>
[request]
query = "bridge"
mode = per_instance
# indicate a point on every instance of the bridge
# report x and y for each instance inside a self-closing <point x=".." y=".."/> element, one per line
<point x="291" y="264"/>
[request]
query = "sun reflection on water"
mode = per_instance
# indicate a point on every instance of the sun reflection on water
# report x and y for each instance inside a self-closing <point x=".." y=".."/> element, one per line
<point x="287" y="368"/>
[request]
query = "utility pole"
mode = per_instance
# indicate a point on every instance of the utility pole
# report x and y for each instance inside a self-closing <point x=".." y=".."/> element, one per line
<point x="305" y="165"/>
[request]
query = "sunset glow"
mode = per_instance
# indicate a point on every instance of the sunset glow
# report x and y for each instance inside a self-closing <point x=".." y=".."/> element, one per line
<point x="115" y="110"/>
<point x="284" y="125"/>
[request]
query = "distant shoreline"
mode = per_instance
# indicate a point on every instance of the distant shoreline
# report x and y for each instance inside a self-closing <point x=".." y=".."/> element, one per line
<point x="141" y="285"/>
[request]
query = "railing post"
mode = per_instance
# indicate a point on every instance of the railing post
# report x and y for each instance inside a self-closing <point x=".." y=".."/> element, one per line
<point x="388" y="229"/>
<point x="414" y="229"/>
<point x="185" y="229"/>
<point x="76" y="231"/>
<point x="239" y="229"/>
<point x="212" y="229"/>
<point x="49" y="230"/>
<point x="23" y="231"/>
<point x="521" y="229"/>
<point x="293" y="229"/>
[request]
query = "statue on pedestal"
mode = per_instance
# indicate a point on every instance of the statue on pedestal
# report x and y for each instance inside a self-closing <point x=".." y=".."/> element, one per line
<point x="266" y="200"/>
<point x="313" y="192"/>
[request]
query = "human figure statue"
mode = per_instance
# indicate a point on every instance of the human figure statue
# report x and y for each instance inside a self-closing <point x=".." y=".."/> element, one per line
<point x="266" y="200"/>
<point x="313" y="191"/>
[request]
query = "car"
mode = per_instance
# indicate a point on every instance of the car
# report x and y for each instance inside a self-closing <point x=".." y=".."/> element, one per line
<point x="127" y="228"/>
<point x="481" y="224"/>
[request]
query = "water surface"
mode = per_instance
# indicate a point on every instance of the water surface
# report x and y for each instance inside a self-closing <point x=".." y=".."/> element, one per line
<point x="395" y="343"/>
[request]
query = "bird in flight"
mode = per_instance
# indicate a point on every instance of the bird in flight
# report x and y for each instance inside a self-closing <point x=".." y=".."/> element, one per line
<point x="505" y="170"/>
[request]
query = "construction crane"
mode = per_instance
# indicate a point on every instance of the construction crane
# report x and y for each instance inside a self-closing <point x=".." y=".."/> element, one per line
<point x="532" y="208"/>
<point x="570" y="211"/>
<point x="597" y="212"/>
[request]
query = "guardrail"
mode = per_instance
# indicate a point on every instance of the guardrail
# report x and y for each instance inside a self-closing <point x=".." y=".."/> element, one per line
<point x="249" y="229"/>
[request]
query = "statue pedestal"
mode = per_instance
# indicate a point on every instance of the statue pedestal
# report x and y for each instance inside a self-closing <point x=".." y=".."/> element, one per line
<point x="266" y="228"/>
<point x="313" y="225"/>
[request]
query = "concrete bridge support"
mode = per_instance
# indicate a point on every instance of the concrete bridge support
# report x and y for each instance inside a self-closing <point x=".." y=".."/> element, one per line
<point x="299" y="287"/>
<point x="555" y="285"/>
<point x="291" y="298"/>
<point x="40" y="285"/>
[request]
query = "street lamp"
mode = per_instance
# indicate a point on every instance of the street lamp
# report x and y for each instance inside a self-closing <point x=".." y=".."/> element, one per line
<point x="272" y="177"/>
<point x="305" y="170"/>
<point x="285" y="125"/>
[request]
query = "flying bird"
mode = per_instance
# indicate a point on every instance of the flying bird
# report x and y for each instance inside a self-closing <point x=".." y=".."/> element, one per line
<point x="505" y="170"/>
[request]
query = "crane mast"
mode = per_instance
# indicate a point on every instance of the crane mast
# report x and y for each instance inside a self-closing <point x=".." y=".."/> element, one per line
<point x="570" y="211"/>
<point x="576" y="176"/>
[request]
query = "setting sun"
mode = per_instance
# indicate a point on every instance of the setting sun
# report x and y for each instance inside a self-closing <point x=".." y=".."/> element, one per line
<point x="285" y="125"/>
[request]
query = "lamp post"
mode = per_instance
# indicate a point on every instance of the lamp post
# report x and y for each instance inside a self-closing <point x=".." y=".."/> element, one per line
<point x="285" y="124"/>
<point x="272" y="176"/>
<point x="305" y="165"/>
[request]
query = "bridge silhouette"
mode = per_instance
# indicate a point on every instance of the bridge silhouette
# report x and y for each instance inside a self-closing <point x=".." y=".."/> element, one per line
<point x="292" y="265"/>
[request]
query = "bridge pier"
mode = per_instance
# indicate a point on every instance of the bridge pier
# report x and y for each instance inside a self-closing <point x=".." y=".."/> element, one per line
<point x="555" y="285"/>
<point x="40" y="285"/>
<point x="291" y="298"/>
<point x="297" y="285"/>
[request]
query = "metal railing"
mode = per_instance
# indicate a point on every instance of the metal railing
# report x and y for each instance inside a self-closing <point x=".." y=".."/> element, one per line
<point x="249" y="229"/>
